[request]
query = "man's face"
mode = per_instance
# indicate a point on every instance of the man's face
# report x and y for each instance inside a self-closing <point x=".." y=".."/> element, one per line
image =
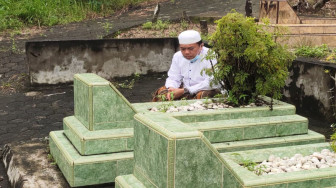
<point x="189" y="51"/>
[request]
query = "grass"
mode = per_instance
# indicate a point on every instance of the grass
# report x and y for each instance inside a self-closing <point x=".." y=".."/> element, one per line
<point x="16" y="14"/>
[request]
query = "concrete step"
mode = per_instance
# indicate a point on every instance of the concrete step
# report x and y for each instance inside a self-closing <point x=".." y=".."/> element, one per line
<point x="87" y="170"/>
<point x="309" y="138"/>
<point x="127" y="181"/>
<point x="97" y="142"/>
<point x="252" y="128"/>
<point x="99" y="105"/>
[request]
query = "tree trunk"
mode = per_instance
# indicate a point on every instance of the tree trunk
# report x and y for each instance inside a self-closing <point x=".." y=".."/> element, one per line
<point x="248" y="8"/>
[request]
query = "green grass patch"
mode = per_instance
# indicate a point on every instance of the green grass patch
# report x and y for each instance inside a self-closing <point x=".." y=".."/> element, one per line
<point x="312" y="51"/>
<point x="15" y="14"/>
<point x="322" y="52"/>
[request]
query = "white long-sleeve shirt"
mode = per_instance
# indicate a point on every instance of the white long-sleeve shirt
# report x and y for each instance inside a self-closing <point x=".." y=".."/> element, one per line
<point x="181" y="70"/>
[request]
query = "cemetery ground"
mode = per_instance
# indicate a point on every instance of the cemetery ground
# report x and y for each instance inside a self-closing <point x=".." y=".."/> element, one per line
<point x="30" y="112"/>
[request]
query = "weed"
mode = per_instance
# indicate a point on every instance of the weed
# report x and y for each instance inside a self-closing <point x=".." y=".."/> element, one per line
<point x="184" y="102"/>
<point x="51" y="159"/>
<point x="159" y="25"/>
<point x="129" y="84"/>
<point x="250" y="165"/>
<point x="173" y="34"/>
<point x="314" y="52"/>
<point x="147" y="25"/>
<point x="107" y="27"/>
<point x="184" y="24"/>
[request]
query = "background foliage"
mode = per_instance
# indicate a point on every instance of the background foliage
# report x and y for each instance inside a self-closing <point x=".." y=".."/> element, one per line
<point x="15" y="14"/>
<point x="250" y="63"/>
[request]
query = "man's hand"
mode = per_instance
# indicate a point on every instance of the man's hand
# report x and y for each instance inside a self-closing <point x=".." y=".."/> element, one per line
<point x="174" y="93"/>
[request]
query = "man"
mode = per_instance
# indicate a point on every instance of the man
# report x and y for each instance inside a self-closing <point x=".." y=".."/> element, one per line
<point x="185" y="78"/>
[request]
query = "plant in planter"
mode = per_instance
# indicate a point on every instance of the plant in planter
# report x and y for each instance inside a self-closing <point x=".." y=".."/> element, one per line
<point x="250" y="62"/>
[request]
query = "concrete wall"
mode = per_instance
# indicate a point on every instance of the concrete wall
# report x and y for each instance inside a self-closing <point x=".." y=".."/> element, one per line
<point x="53" y="62"/>
<point x="310" y="89"/>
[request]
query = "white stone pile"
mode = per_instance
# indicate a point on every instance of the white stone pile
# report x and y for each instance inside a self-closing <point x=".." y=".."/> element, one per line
<point x="199" y="105"/>
<point x="275" y="165"/>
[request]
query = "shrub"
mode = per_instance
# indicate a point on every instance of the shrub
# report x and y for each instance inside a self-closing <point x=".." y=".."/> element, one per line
<point x="250" y="63"/>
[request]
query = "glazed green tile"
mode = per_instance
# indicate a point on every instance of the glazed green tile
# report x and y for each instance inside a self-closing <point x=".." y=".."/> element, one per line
<point x="127" y="181"/>
<point x="282" y="185"/>
<point x="125" y="167"/>
<point x="151" y="154"/>
<point x="130" y="144"/>
<point x="291" y="128"/>
<point x="167" y="123"/>
<point x="310" y="138"/>
<point x="229" y="180"/>
<point x="186" y="119"/>
<point x="84" y="170"/>
<point x="97" y="142"/>
<point x="105" y="146"/>
<point x="224" y="135"/>
<point x="99" y="105"/>
<point x="98" y="173"/>
<point x="74" y="138"/>
<point x="62" y="162"/>
<point x="109" y="109"/>
<point x="81" y="102"/>
<point x="305" y="184"/>
<point x="264" y="131"/>
<point x="328" y="182"/>
<point x="196" y="165"/>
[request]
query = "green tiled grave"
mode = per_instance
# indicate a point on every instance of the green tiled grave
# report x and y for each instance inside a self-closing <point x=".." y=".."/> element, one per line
<point x="97" y="142"/>
<point x="99" y="105"/>
<point x="170" y="149"/>
<point x="238" y="176"/>
<point x="87" y="170"/>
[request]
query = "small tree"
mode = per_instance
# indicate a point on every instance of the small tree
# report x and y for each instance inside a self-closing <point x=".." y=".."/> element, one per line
<point x="250" y="62"/>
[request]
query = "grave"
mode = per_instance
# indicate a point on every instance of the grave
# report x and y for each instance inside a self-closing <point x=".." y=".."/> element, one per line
<point x="109" y="139"/>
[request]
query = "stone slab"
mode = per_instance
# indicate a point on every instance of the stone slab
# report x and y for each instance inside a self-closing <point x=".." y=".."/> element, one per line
<point x="29" y="166"/>
<point x="97" y="142"/>
<point x="87" y="170"/>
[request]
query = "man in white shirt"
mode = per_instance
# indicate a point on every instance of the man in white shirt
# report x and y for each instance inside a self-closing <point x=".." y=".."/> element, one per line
<point x="185" y="77"/>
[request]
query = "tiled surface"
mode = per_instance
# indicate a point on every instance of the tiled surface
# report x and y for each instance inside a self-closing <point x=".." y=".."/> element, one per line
<point x="88" y="170"/>
<point x="82" y="102"/>
<point x="252" y="128"/>
<point x="310" y="138"/>
<point x="128" y="181"/>
<point x="97" y="142"/>
<point x="196" y="165"/>
<point x="151" y="156"/>
<point x="308" y="178"/>
<point x="99" y="105"/>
